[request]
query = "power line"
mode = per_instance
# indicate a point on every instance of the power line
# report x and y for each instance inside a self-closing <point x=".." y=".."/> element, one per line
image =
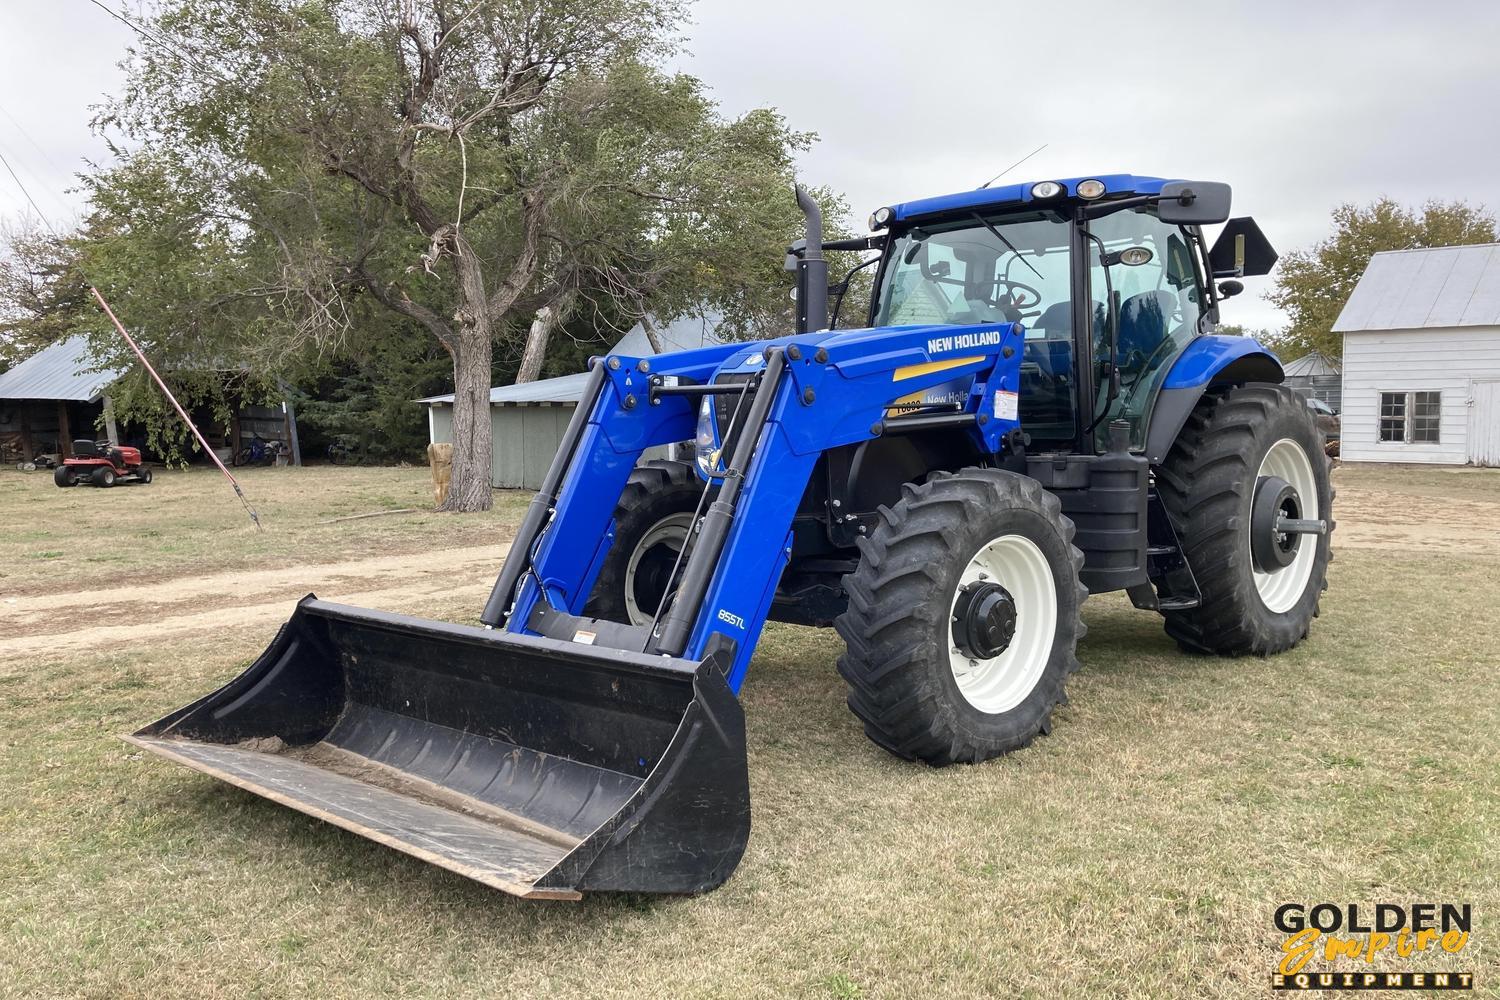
<point x="162" y="39"/>
<point x="28" y="137"/>
<point x="27" y="194"/>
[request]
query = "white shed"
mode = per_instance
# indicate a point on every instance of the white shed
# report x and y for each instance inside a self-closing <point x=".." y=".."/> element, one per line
<point x="527" y="421"/>
<point x="1421" y="358"/>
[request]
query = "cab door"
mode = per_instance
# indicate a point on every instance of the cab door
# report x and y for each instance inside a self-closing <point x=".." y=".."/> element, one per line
<point x="1158" y="308"/>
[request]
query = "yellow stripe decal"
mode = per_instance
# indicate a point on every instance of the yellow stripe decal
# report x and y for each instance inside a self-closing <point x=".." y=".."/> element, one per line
<point x="928" y="367"/>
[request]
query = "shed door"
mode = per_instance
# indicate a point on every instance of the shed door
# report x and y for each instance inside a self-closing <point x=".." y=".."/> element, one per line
<point x="1484" y="423"/>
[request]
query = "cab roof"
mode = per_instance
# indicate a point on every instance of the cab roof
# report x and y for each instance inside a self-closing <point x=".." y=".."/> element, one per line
<point x="1019" y="194"/>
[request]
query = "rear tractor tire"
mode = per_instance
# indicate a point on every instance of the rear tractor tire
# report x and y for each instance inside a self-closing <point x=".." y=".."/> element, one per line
<point x="103" y="476"/>
<point x="65" y="476"/>
<point x="1248" y="460"/>
<point x="653" y="521"/>
<point x="963" y="619"/>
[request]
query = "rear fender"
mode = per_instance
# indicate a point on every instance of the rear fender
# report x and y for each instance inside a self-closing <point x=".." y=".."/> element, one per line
<point x="1207" y="361"/>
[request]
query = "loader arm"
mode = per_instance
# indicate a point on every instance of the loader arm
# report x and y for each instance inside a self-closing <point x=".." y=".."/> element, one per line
<point x="808" y="393"/>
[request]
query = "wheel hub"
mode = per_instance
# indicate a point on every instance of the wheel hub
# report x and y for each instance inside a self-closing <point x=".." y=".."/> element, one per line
<point x="1271" y="546"/>
<point x="984" y="620"/>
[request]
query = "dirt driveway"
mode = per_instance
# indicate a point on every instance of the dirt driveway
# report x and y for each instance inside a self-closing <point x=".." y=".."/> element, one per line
<point x="154" y="611"/>
<point x="1423" y="510"/>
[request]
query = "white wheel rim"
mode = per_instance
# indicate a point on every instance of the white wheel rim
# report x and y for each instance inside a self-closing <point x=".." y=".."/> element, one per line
<point x="1281" y="589"/>
<point x="1002" y="682"/>
<point x="671" y="530"/>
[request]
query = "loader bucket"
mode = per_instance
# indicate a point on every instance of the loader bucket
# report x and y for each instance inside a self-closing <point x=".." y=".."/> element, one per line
<point x="543" y="768"/>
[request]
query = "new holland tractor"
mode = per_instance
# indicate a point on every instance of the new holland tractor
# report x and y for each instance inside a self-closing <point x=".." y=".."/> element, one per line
<point x="1039" y="408"/>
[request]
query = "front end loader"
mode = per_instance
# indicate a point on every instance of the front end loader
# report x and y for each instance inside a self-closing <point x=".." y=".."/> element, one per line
<point x="1038" y="409"/>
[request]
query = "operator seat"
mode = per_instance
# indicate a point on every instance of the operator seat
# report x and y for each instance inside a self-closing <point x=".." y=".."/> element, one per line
<point x="85" y="448"/>
<point x="1143" y="326"/>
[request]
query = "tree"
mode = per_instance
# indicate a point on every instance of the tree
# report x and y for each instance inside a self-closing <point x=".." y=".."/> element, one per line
<point x="1313" y="285"/>
<point x="463" y="166"/>
<point x="33" y="300"/>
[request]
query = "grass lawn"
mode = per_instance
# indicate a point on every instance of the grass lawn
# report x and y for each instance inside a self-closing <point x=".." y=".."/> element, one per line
<point x="1139" y="850"/>
<point x="190" y="522"/>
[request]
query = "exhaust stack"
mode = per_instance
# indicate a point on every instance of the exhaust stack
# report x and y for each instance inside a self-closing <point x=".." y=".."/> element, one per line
<point x="812" y="269"/>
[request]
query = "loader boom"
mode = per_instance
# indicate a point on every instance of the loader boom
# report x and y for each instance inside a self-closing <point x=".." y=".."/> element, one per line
<point x="811" y="392"/>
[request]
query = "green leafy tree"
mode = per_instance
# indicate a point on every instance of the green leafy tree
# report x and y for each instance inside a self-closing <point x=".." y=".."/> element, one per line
<point x="300" y="168"/>
<point x="1313" y="285"/>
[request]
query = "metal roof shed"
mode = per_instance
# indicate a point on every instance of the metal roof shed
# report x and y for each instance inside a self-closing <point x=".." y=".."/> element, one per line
<point x="1421" y="364"/>
<point x="1316" y="375"/>
<point x="64" y="371"/>
<point x="45" y="398"/>
<point x="527" y="421"/>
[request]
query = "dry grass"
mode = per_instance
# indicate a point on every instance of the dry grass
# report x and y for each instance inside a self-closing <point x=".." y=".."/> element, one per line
<point x="188" y="522"/>
<point x="1137" y="851"/>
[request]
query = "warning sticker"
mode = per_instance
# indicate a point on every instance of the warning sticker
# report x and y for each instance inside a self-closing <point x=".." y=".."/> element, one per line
<point x="1007" y="405"/>
<point x="585" y="637"/>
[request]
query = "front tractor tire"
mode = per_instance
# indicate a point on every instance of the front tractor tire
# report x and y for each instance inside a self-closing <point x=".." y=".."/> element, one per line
<point x="963" y="619"/>
<point x="1249" y="461"/>
<point x="653" y="521"/>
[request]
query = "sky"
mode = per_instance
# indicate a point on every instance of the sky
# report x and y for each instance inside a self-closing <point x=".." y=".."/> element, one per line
<point x="1298" y="106"/>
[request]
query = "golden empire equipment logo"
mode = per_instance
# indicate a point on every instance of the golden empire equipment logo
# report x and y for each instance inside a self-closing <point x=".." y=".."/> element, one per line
<point x="1391" y="934"/>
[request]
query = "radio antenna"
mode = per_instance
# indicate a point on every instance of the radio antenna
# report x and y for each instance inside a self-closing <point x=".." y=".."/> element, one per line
<point x="1012" y="166"/>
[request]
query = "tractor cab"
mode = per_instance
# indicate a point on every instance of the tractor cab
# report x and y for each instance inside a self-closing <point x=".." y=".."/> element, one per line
<point x="1109" y="276"/>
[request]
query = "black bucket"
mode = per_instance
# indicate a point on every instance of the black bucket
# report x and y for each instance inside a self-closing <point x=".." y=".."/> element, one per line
<point x="540" y="767"/>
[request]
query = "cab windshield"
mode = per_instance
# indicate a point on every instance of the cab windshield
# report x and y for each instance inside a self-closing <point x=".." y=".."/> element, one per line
<point x="1015" y="269"/>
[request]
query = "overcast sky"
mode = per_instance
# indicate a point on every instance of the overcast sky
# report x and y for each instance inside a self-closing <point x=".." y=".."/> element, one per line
<point x="1299" y="106"/>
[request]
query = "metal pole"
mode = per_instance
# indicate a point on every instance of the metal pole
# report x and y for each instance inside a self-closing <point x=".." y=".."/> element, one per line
<point x="255" y="518"/>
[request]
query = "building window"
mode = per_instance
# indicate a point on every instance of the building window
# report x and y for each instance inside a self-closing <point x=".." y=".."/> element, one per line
<point x="1426" y="408"/>
<point x="1410" y="417"/>
<point x="1393" y="416"/>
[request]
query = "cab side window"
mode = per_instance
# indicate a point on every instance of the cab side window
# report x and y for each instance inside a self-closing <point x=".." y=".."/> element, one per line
<point x="1159" y="308"/>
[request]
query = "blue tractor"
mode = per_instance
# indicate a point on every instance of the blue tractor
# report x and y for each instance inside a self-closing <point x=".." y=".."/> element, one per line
<point x="1039" y="408"/>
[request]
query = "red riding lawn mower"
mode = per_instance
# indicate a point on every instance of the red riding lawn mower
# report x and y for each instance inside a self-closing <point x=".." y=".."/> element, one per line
<point x="101" y="464"/>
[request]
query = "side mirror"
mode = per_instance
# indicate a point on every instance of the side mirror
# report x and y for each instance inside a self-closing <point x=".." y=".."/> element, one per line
<point x="1229" y="289"/>
<point x="1193" y="203"/>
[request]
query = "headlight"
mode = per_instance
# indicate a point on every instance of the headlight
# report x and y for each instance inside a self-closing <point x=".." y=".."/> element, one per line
<point x="1090" y="189"/>
<point x="706" y="441"/>
<point x="1046" y="189"/>
<point x="879" y="219"/>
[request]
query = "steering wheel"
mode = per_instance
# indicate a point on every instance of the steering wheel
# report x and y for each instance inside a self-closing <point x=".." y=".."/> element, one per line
<point x="1022" y="296"/>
